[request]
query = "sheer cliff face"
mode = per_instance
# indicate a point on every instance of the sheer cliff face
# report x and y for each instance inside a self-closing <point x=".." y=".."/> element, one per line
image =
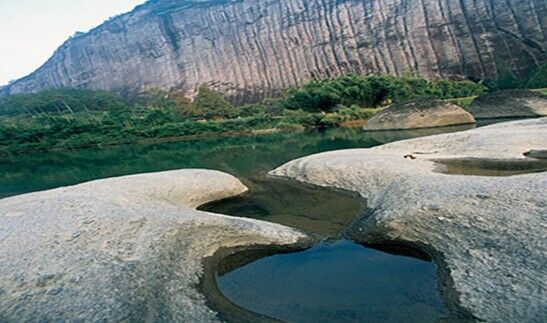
<point x="249" y="49"/>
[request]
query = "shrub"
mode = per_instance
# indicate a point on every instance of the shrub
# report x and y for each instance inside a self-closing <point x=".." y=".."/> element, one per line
<point x="60" y="101"/>
<point x="355" y="112"/>
<point x="213" y="105"/>
<point x="283" y="125"/>
<point x="538" y="79"/>
<point x="69" y="118"/>
<point x="173" y="101"/>
<point x="251" y="110"/>
<point x="372" y="91"/>
<point x="506" y="78"/>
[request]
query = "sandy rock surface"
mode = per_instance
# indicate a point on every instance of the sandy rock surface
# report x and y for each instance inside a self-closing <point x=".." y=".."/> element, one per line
<point x="128" y="248"/>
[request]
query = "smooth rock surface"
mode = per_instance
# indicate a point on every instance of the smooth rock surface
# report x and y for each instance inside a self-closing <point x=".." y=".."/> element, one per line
<point x="417" y="115"/>
<point x="487" y="233"/>
<point x="509" y="104"/>
<point x="120" y="249"/>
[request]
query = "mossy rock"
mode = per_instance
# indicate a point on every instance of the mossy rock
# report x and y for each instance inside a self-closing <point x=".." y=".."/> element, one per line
<point x="509" y="104"/>
<point x="421" y="114"/>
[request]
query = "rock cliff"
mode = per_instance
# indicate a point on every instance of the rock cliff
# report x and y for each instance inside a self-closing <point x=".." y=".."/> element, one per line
<point x="250" y="49"/>
<point x="510" y="104"/>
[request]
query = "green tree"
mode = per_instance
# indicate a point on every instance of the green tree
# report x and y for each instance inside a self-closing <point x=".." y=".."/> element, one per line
<point x="213" y="105"/>
<point x="506" y="78"/>
<point x="538" y="79"/>
<point x="60" y="101"/>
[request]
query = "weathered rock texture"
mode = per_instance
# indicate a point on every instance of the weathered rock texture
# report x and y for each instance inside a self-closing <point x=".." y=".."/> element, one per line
<point x="510" y="104"/>
<point x="487" y="233"/>
<point x="416" y="115"/>
<point x="121" y="249"/>
<point x="250" y="49"/>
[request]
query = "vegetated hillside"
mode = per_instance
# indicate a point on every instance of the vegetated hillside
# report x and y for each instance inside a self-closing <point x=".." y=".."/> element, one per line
<point x="251" y="49"/>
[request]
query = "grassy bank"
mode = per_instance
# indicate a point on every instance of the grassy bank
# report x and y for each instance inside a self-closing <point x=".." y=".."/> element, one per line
<point x="70" y="119"/>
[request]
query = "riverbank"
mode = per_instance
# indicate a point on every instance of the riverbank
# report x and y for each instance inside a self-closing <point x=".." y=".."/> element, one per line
<point x="62" y="133"/>
<point x="65" y="119"/>
<point x="141" y="266"/>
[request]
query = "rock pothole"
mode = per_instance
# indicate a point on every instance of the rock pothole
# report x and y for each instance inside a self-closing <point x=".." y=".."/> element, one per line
<point x="336" y="280"/>
<point x="490" y="167"/>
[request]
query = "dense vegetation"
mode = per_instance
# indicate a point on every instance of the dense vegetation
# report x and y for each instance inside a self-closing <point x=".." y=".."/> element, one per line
<point x="373" y="91"/>
<point x="70" y="118"/>
<point x="60" y="102"/>
<point x="536" y="79"/>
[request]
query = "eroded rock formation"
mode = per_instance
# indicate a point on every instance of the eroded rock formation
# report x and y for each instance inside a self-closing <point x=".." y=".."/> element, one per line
<point x="250" y="49"/>
<point x="487" y="233"/>
<point x="120" y="249"/>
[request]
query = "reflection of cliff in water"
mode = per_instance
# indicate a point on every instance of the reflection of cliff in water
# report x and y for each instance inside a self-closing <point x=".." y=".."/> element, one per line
<point x="240" y="156"/>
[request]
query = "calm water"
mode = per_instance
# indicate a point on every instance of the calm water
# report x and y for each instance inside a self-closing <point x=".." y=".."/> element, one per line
<point x="246" y="158"/>
<point x="334" y="281"/>
<point x="337" y="281"/>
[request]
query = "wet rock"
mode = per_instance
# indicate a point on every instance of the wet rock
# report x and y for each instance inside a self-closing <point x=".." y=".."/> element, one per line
<point x="128" y="248"/>
<point x="537" y="153"/>
<point x="509" y="104"/>
<point x="489" y="235"/>
<point x="416" y="115"/>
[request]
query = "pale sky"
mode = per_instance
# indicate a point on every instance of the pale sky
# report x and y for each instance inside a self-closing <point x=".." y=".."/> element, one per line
<point x="31" y="30"/>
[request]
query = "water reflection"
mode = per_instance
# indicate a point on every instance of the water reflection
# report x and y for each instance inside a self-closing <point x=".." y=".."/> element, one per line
<point x="244" y="157"/>
<point x="335" y="282"/>
<point x="314" y="210"/>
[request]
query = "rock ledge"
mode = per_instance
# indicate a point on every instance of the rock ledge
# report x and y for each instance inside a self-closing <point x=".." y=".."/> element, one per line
<point x="509" y="104"/>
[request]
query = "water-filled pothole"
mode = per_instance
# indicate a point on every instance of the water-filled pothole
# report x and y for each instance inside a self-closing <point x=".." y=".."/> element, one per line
<point x="490" y="167"/>
<point x="336" y="280"/>
<point x="320" y="211"/>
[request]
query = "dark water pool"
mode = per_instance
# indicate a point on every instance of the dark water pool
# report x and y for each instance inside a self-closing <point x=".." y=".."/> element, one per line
<point x="323" y="212"/>
<point x="337" y="281"/>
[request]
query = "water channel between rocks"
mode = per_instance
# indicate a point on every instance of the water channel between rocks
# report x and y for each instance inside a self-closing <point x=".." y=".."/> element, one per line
<point x="336" y="280"/>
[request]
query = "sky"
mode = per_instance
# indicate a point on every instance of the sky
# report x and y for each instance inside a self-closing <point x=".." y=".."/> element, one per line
<point x="31" y="30"/>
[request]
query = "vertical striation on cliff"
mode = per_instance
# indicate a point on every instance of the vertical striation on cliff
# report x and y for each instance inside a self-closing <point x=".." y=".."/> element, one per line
<point x="251" y="49"/>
